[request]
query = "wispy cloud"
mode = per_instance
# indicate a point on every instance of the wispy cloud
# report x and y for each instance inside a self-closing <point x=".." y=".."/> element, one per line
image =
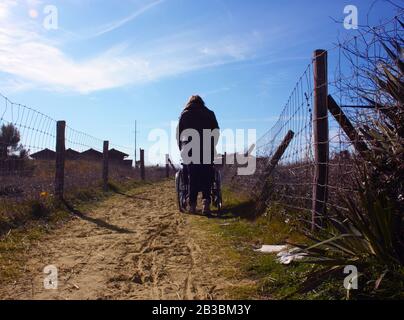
<point x="117" y="24"/>
<point x="29" y="59"/>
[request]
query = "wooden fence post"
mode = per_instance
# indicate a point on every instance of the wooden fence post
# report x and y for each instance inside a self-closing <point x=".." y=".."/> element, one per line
<point x="105" y="165"/>
<point x="250" y="150"/>
<point x="321" y="137"/>
<point x="263" y="184"/>
<point x="167" y="166"/>
<point x="279" y="153"/>
<point x="60" y="159"/>
<point x="171" y="165"/>
<point x="347" y="126"/>
<point x="142" y="168"/>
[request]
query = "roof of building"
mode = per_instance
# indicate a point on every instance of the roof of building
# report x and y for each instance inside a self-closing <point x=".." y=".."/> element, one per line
<point x="72" y="151"/>
<point x="114" y="151"/>
<point x="42" y="152"/>
<point x="91" y="151"/>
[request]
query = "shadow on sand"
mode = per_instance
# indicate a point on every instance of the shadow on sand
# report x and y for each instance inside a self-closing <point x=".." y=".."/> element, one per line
<point x="135" y="197"/>
<point x="98" y="222"/>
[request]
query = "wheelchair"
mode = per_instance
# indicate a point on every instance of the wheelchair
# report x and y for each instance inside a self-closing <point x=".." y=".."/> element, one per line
<point x="182" y="189"/>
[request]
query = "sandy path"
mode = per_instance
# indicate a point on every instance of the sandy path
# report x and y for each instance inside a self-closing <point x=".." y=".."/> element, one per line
<point x="134" y="246"/>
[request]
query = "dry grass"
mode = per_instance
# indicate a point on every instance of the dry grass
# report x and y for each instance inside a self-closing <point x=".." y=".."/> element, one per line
<point x="27" y="196"/>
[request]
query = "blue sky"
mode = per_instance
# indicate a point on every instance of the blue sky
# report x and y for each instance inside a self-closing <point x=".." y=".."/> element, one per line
<point x="111" y="62"/>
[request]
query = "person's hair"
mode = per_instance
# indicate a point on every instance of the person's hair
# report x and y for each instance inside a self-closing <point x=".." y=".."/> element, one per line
<point x="195" y="100"/>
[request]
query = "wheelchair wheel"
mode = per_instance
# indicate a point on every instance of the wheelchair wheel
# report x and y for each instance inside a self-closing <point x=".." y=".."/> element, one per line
<point x="182" y="192"/>
<point x="217" y="191"/>
<point x="219" y="202"/>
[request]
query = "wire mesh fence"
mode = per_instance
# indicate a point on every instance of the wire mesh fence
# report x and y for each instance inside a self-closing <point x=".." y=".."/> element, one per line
<point x="28" y="154"/>
<point x="25" y="134"/>
<point x="291" y="180"/>
<point x="285" y="163"/>
<point x="357" y="94"/>
<point x="83" y="160"/>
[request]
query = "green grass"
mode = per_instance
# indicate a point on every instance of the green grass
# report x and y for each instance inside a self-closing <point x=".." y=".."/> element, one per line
<point x="240" y="231"/>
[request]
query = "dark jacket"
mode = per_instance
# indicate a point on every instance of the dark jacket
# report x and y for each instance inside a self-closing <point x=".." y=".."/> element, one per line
<point x="199" y="117"/>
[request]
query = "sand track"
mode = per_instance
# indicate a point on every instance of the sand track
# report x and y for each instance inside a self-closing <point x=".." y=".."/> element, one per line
<point x="134" y="246"/>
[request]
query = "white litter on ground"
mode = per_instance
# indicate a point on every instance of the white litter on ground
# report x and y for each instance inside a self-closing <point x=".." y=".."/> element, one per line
<point x="285" y="254"/>
<point x="272" y="249"/>
<point x="288" y="256"/>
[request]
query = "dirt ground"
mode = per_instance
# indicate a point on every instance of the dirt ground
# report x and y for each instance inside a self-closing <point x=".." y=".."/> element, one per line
<point x="132" y="246"/>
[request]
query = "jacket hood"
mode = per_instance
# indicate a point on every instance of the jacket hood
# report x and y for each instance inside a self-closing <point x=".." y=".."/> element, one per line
<point x="194" y="102"/>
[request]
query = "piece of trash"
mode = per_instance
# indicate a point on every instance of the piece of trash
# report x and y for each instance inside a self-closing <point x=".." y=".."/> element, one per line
<point x="288" y="256"/>
<point x="76" y="286"/>
<point x="285" y="254"/>
<point x="272" y="249"/>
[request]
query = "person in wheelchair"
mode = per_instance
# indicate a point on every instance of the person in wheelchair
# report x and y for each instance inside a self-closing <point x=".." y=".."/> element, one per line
<point x="201" y="172"/>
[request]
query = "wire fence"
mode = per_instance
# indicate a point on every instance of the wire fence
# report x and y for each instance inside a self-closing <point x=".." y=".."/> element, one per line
<point x="24" y="131"/>
<point x="291" y="180"/>
<point x="28" y="156"/>
<point x="358" y="66"/>
<point x="312" y="145"/>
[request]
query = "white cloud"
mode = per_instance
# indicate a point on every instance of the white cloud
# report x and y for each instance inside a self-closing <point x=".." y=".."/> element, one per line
<point x="29" y="59"/>
<point x="5" y="8"/>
